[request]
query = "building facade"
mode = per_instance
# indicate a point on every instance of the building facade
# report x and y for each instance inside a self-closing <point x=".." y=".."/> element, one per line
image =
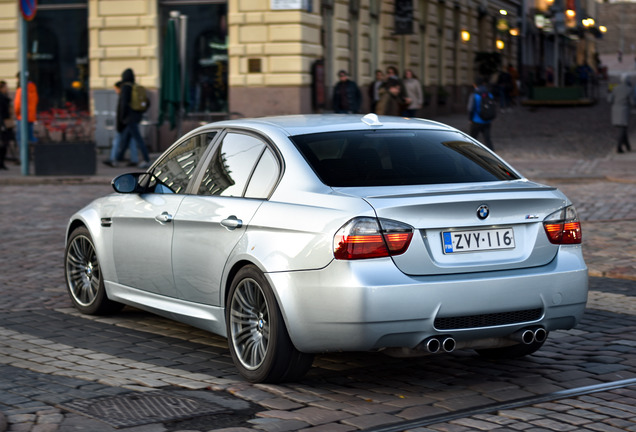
<point x="620" y="40"/>
<point x="256" y="57"/>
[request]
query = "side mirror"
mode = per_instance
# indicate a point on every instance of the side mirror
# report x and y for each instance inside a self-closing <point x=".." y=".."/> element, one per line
<point x="126" y="183"/>
<point x="139" y="183"/>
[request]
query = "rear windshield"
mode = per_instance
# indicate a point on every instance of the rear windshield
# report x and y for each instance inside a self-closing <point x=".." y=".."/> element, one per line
<point x="398" y="157"/>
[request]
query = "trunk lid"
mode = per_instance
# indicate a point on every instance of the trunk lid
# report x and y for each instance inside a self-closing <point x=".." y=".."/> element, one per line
<point x="450" y="237"/>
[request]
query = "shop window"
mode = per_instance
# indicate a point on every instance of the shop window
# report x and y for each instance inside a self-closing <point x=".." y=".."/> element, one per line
<point x="206" y="52"/>
<point x="58" y="54"/>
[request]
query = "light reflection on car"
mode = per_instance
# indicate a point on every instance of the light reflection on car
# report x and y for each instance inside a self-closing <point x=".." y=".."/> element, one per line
<point x="298" y="235"/>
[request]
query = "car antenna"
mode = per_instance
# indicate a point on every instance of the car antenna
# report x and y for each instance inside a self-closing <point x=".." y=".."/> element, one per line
<point x="371" y="119"/>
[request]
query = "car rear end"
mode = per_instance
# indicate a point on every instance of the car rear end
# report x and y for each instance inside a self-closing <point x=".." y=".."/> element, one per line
<point x="461" y="248"/>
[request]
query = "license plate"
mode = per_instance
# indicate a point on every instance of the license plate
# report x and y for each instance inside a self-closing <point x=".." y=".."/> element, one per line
<point x="479" y="240"/>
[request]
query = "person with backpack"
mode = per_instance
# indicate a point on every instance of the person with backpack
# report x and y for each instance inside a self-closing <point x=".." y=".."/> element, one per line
<point x="481" y="112"/>
<point x="131" y="105"/>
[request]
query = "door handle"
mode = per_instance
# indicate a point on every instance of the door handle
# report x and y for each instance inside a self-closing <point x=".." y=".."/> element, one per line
<point x="164" y="217"/>
<point x="232" y="223"/>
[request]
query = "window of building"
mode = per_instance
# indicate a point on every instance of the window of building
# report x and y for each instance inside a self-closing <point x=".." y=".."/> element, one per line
<point x="58" y="54"/>
<point x="206" y="67"/>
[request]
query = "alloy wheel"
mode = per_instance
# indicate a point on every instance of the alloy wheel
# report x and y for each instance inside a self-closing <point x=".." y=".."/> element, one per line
<point x="249" y="324"/>
<point x="82" y="271"/>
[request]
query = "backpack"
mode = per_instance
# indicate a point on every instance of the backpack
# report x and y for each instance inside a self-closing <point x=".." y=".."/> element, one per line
<point x="138" y="98"/>
<point x="487" y="109"/>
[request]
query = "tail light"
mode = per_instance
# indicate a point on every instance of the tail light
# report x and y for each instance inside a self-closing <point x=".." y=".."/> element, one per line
<point x="366" y="237"/>
<point x="563" y="226"/>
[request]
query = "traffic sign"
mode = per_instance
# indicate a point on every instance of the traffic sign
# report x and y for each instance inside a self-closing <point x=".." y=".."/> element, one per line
<point x="28" y="9"/>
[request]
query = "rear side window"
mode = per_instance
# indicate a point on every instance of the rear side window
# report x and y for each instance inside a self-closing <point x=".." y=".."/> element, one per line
<point x="231" y="165"/>
<point x="398" y="157"/>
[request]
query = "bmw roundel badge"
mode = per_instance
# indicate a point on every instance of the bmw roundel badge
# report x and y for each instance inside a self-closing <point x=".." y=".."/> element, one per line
<point x="483" y="211"/>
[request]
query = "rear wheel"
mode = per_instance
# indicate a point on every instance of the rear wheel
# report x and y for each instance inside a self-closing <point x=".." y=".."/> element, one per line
<point x="513" y="351"/>
<point x="259" y="343"/>
<point x="84" y="276"/>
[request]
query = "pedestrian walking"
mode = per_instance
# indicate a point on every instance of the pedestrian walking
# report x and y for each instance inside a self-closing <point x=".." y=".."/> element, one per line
<point x="478" y="123"/>
<point x="32" y="106"/>
<point x="514" y="77"/>
<point x="374" y="89"/>
<point x="114" y="150"/>
<point x="346" y="95"/>
<point x="504" y="87"/>
<point x="6" y="123"/>
<point x="622" y="98"/>
<point x="414" y="94"/>
<point x="391" y="101"/>
<point x="129" y="116"/>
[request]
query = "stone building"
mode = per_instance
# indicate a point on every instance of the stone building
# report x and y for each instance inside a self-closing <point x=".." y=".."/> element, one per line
<point x="620" y="19"/>
<point x="254" y="57"/>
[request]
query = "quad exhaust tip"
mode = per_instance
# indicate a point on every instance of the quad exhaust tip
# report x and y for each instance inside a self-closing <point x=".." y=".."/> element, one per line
<point x="530" y="335"/>
<point x="435" y="344"/>
<point x="448" y="344"/>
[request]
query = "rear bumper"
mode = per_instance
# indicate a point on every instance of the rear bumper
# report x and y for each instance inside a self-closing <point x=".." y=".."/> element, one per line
<point x="369" y="304"/>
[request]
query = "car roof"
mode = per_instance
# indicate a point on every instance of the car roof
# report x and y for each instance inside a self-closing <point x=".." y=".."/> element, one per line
<point x="317" y="123"/>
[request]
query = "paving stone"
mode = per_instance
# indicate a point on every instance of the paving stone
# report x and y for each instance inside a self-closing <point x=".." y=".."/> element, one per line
<point x="475" y="424"/>
<point x="278" y="425"/>
<point x="371" y="420"/>
<point x="331" y="427"/>
<point x="279" y="404"/>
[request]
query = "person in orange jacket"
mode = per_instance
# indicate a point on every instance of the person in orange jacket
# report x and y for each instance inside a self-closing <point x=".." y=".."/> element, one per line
<point x="32" y="105"/>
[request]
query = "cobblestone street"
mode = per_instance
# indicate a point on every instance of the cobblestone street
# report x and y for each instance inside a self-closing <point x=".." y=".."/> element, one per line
<point x="53" y="360"/>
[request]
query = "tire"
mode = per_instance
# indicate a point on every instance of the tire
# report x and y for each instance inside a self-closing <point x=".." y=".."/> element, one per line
<point x="511" y="352"/>
<point x="84" y="276"/>
<point x="257" y="337"/>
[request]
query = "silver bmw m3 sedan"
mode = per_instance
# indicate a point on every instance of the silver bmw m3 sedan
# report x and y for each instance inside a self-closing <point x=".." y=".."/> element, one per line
<point x="298" y="235"/>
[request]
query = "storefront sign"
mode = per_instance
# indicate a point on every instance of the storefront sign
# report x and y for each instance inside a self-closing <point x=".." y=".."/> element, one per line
<point x="290" y="4"/>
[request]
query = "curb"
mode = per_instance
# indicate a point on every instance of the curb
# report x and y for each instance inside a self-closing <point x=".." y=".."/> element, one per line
<point x="41" y="180"/>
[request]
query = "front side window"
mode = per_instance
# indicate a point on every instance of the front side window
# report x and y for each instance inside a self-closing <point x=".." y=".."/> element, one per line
<point x="232" y="165"/>
<point x="399" y="157"/>
<point x="176" y="167"/>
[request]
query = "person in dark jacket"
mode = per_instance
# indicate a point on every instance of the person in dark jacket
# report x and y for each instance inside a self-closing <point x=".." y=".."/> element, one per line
<point x="346" y="95"/>
<point x="391" y="101"/>
<point x="374" y="89"/>
<point x="477" y="124"/>
<point x="128" y="123"/>
<point x="6" y="119"/>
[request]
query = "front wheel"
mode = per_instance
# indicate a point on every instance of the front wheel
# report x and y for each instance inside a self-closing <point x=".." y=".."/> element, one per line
<point x="258" y="339"/>
<point x="84" y="278"/>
